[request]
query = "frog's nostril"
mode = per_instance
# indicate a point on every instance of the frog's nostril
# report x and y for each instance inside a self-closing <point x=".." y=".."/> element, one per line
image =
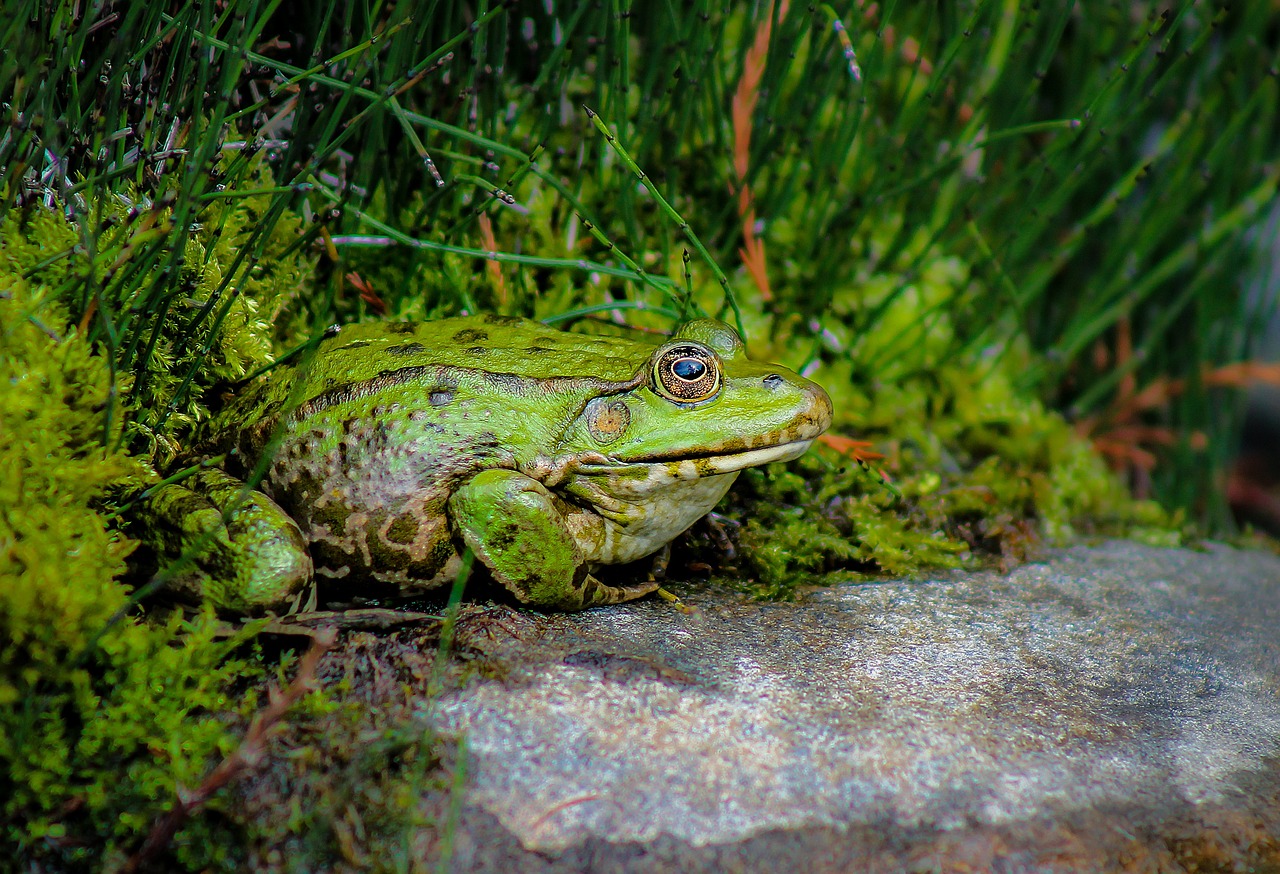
<point x="772" y="381"/>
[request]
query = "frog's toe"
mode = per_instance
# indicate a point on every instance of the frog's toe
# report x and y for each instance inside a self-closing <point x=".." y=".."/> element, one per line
<point x="595" y="593"/>
<point x="272" y="565"/>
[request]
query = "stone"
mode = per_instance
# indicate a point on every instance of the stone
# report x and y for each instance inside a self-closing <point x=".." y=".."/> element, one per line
<point x="1114" y="708"/>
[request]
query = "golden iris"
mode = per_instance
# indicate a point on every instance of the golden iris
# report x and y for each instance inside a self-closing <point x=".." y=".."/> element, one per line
<point x="687" y="373"/>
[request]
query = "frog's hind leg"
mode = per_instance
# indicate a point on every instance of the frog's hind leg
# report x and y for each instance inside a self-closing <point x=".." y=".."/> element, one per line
<point x="252" y="558"/>
<point x="512" y="524"/>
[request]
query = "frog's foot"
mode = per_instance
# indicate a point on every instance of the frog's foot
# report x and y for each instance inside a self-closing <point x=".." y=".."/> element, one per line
<point x="718" y="526"/>
<point x="514" y="526"/>
<point x="595" y="593"/>
<point x="251" y="559"/>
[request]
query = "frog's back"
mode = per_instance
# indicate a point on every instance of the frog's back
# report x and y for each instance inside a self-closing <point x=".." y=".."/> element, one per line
<point x="509" y="355"/>
<point x="490" y="343"/>
<point x="387" y="420"/>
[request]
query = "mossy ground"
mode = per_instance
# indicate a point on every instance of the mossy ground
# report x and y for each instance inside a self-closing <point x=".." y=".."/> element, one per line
<point x="103" y="712"/>
<point x="357" y="779"/>
<point x="198" y="215"/>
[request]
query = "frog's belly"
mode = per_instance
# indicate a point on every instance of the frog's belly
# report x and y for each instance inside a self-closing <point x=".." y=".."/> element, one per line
<point x="622" y="528"/>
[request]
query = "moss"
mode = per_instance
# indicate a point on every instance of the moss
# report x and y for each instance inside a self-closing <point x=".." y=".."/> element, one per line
<point x="104" y="712"/>
<point x="257" y="297"/>
<point x="103" y="716"/>
<point x="817" y="523"/>
<point x="986" y="471"/>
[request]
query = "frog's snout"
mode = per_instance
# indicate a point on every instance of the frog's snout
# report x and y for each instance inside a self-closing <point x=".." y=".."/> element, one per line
<point x="816" y="415"/>
<point x="813" y="411"/>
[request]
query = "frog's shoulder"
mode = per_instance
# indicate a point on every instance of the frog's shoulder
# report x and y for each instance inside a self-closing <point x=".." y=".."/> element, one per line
<point x="489" y="343"/>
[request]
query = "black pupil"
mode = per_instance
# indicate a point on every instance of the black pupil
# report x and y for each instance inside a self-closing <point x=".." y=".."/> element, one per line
<point x="689" y="369"/>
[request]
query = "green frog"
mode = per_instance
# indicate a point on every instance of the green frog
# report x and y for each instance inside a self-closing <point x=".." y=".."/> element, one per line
<point x="396" y="447"/>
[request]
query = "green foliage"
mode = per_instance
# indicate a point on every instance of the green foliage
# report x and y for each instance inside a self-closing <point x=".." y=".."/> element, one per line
<point x="954" y="239"/>
<point x="259" y="304"/>
<point x="102" y="715"/>
<point x="175" y="357"/>
<point x="983" y="467"/>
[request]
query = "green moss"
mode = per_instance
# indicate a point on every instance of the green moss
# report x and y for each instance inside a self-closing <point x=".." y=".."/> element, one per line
<point x="985" y="471"/>
<point x="103" y="716"/>
<point x="105" y="713"/>
<point x="177" y="356"/>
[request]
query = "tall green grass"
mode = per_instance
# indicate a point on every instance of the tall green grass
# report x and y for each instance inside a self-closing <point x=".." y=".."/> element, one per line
<point x="1089" y="167"/>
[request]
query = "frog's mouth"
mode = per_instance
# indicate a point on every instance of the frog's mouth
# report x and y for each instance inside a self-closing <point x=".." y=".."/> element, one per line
<point x="733" y="461"/>
<point x="694" y="466"/>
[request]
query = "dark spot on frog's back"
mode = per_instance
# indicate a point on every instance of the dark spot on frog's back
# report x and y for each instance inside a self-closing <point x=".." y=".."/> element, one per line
<point x="401" y="327"/>
<point x="406" y="349"/>
<point x="502" y="537"/>
<point x="440" y="396"/>
<point x="470" y="335"/>
<point x="505" y="321"/>
<point x="476" y="350"/>
<point x="354" y="344"/>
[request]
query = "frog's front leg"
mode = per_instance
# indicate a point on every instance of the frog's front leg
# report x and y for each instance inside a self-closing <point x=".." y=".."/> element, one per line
<point x="512" y="524"/>
<point x="253" y="558"/>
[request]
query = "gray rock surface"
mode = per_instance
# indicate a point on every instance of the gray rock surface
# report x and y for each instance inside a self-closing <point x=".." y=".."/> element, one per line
<point x="1115" y="708"/>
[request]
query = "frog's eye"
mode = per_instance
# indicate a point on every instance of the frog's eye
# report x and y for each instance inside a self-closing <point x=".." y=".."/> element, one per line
<point x="687" y="373"/>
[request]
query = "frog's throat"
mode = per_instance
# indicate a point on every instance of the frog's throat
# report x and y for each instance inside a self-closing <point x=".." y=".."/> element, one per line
<point x="709" y="465"/>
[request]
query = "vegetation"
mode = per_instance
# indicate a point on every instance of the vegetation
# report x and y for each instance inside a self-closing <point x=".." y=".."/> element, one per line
<point x="102" y="715"/>
<point x="1004" y="236"/>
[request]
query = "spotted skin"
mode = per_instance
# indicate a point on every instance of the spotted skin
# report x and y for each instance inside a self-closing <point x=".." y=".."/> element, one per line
<point x="397" y="445"/>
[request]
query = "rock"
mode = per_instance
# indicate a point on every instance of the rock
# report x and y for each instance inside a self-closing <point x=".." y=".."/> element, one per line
<point x="1117" y="708"/>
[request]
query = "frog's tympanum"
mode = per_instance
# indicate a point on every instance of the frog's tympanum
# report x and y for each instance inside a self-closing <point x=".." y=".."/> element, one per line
<point x="397" y="446"/>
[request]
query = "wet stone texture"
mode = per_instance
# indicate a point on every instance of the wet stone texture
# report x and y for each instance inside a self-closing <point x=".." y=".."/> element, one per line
<point x="1115" y="708"/>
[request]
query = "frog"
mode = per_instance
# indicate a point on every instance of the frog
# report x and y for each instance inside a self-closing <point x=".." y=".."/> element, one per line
<point x="397" y="454"/>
